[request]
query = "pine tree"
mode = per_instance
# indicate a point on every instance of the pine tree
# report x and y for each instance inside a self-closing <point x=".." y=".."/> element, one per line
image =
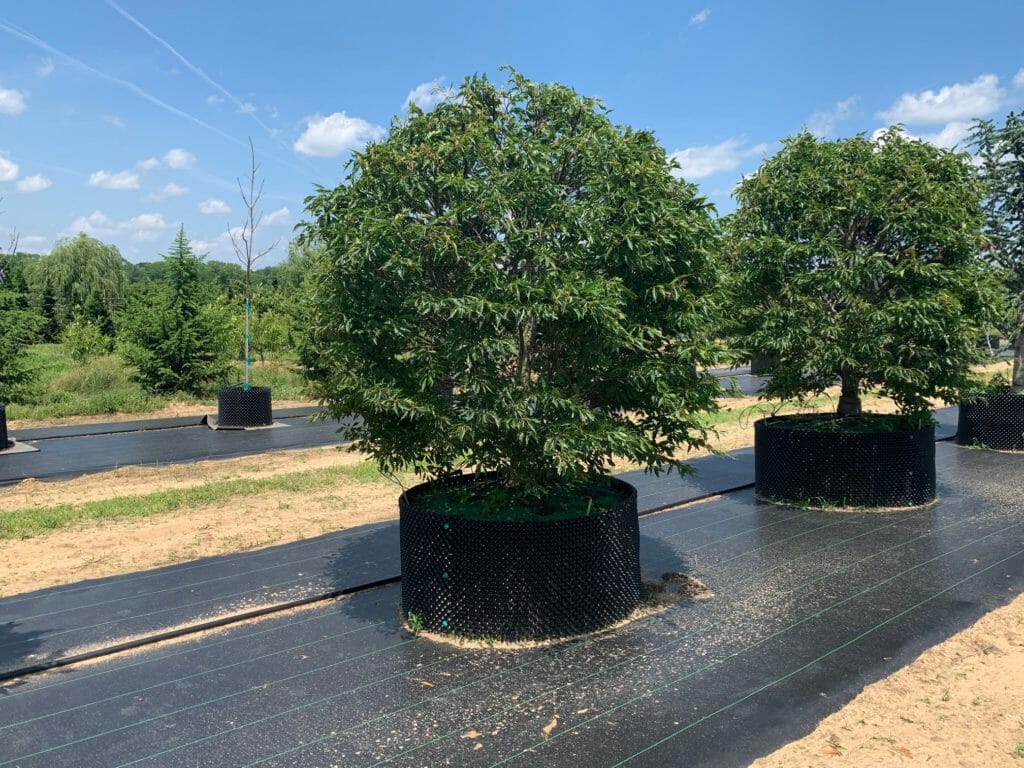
<point x="173" y="340"/>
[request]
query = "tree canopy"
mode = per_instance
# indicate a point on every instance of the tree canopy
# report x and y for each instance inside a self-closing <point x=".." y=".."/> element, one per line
<point x="858" y="259"/>
<point x="513" y="283"/>
<point x="80" y="278"/>
<point x="1001" y="152"/>
<point x="176" y="342"/>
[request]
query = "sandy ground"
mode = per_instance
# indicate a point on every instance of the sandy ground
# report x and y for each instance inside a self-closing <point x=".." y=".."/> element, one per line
<point x="959" y="705"/>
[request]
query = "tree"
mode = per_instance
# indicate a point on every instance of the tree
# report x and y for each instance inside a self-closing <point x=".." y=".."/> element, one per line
<point x="247" y="254"/>
<point x="1001" y="152"/>
<point x="80" y="278"/>
<point x="513" y="283"/>
<point x="857" y="260"/>
<point x="18" y="329"/>
<point x="170" y="336"/>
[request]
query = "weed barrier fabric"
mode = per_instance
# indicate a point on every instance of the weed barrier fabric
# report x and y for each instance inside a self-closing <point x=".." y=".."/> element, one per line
<point x="994" y="420"/>
<point x="817" y="467"/>
<point x="240" y="407"/>
<point x="65" y="457"/>
<point x="54" y="624"/>
<point x="51" y="625"/>
<point x="803" y="617"/>
<point x="518" y="580"/>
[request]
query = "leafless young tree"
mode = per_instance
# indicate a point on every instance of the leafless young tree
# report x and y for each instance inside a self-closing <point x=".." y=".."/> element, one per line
<point x="242" y="239"/>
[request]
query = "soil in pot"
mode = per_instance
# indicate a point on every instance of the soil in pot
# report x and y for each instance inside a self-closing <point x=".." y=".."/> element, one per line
<point x="513" y="572"/>
<point x="993" y="419"/>
<point x="863" y="462"/>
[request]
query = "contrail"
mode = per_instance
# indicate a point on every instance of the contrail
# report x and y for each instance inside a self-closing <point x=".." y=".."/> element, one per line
<point x="28" y="37"/>
<point x="198" y="72"/>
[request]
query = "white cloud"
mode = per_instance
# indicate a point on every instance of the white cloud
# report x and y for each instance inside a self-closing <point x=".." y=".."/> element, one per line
<point x="426" y="96"/>
<point x="32" y="241"/>
<point x="279" y="216"/>
<point x="214" y="206"/>
<point x="12" y="102"/>
<point x="148" y="164"/>
<point x="45" y="68"/>
<point x="141" y="228"/>
<point x="36" y="183"/>
<point x="334" y="134"/>
<point x="246" y="108"/>
<point x="179" y="159"/>
<point x="700" y="18"/>
<point x="1018" y="79"/>
<point x="950" y="136"/>
<point x="110" y="180"/>
<point x="8" y="168"/>
<point x="214" y="99"/>
<point x="821" y="124"/>
<point x="169" y="190"/>
<point x="959" y="101"/>
<point x="698" y="162"/>
<point x="114" y="120"/>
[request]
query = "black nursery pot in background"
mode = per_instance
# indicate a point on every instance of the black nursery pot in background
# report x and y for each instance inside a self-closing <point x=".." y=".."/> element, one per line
<point x="994" y="420"/>
<point x="519" y="580"/>
<point x="241" y="407"/>
<point x="4" y="442"/>
<point x="797" y="461"/>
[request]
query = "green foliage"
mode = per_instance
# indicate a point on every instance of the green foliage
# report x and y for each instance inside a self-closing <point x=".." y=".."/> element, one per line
<point x="858" y="259"/>
<point x="511" y="282"/>
<point x="19" y="327"/>
<point x="1001" y="152"/>
<point x="64" y="387"/>
<point x="175" y="342"/>
<point x="83" y="339"/>
<point x="271" y="333"/>
<point x="80" y="278"/>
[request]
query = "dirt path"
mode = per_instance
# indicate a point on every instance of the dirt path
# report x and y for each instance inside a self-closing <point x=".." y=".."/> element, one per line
<point x="959" y="705"/>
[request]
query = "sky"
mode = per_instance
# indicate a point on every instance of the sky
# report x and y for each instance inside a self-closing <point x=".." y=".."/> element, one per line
<point x="128" y="119"/>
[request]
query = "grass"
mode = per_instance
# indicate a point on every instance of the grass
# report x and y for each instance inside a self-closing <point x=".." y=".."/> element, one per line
<point x="103" y="385"/>
<point x="29" y="522"/>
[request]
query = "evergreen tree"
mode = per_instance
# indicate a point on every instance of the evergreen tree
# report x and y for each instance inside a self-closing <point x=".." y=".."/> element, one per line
<point x="169" y="335"/>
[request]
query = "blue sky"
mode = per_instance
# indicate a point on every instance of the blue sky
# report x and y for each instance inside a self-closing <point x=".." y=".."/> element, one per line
<point x="127" y="119"/>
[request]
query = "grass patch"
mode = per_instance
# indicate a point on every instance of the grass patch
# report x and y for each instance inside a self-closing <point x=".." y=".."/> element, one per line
<point x="26" y="523"/>
<point x="103" y="384"/>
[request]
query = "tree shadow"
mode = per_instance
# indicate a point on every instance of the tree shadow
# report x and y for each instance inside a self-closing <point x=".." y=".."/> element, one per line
<point x="18" y="650"/>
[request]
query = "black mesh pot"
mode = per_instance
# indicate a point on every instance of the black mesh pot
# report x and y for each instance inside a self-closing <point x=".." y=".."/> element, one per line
<point x="842" y="469"/>
<point x="4" y="442"/>
<point x="241" y="407"/>
<point x="994" y="420"/>
<point x="513" y="580"/>
<point x="762" y="365"/>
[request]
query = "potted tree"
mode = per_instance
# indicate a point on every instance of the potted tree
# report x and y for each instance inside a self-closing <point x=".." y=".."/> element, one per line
<point x="994" y="415"/>
<point x="857" y="264"/>
<point x="18" y="329"/>
<point x="515" y="292"/>
<point x="247" y="405"/>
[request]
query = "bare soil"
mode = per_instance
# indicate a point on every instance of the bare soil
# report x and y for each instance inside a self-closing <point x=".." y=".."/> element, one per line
<point x="959" y="705"/>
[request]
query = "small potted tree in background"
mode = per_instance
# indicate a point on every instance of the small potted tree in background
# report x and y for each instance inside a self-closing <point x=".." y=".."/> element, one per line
<point x="858" y="262"/>
<point x="515" y="287"/>
<point x="18" y="328"/>
<point x="994" y="415"/>
<point x="245" y="405"/>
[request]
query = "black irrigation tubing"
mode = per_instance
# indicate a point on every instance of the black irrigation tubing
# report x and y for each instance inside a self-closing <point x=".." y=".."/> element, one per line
<point x="183" y="631"/>
<point x="575" y="645"/>
<point x="547" y="693"/>
<point x="113" y="432"/>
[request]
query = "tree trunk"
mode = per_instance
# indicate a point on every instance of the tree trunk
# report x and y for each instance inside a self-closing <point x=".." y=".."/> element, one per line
<point x="1017" y="379"/>
<point x="849" y="399"/>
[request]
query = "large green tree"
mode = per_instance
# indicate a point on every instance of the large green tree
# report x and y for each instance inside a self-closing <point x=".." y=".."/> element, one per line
<point x="81" y="278"/>
<point x="858" y="259"/>
<point x="511" y="282"/>
<point x="1001" y="152"/>
<point x="18" y="328"/>
<point x="176" y="341"/>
